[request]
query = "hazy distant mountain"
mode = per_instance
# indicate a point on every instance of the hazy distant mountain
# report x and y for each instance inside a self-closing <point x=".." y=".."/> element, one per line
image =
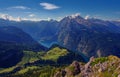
<point x="42" y="31"/>
<point x="18" y="36"/>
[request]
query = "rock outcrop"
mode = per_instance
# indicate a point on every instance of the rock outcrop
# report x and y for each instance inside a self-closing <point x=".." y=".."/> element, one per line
<point x="96" y="67"/>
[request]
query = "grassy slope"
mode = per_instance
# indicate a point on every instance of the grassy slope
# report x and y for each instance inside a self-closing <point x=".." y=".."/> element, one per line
<point x="24" y="70"/>
<point x="48" y="71"/>
<point x="54" y="54"/>
<point x="30" y="56"/>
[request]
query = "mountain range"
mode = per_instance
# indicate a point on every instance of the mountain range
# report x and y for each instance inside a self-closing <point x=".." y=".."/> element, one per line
<point x="43" y="31"/>
<point x="91" y="37"/>
<point x="28" y="46"/>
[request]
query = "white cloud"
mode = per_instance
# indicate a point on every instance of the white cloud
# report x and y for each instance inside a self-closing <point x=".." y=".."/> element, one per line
<point x="59" y="18"/>
<point x="87" y="17"/>
<point x="48" y="18"/>
<point x="31" y="19"/>
<point x="75" y="15"/>
<point x="36" y="19"/>
<point x="8" y="17"/>
<point x="49" y="6"/>
<point x="72" y="16"/>
<point x="32" y="15"/>
<point x="19" y="7"/>
<point x="4" y="16"/>
<point x="18" y="19"/>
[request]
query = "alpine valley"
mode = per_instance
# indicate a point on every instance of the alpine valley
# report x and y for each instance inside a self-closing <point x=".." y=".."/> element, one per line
<point x="71" y="47"/>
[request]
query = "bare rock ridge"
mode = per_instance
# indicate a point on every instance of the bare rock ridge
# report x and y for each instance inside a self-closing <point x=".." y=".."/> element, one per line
<point x="108" y="68"/>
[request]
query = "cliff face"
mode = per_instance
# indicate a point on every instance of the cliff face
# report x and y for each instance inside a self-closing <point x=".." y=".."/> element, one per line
<point x="99" y="67"/>
<point x="91" y="37"/>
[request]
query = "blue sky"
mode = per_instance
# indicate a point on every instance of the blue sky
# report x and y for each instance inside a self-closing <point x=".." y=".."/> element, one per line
<point x="56" y="9"/>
